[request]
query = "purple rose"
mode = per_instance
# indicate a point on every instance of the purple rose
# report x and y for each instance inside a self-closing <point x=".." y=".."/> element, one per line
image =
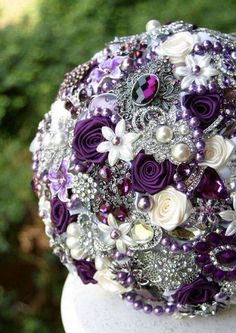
<point x="150" y="176"/>
<point x="60" y="215"/>
<point x="87" y="136"/>
<point x="199" y="291"/>
<point x="205" y="107"/>
<point x="86" y="270"/>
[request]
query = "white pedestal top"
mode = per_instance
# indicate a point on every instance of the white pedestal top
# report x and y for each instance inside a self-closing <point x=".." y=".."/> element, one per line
<point x="90" y="309"/>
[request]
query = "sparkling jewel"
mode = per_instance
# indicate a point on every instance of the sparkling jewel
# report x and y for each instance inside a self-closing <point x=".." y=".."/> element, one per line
<point x="124" y="187"/>
<point x="181" y="152"/>
<point x="226" y="257"/>
<point x="164" y="134"/>
<point x="145" y="89"/>
<point x="142" y="232"/>
<point x="211" y="186"/>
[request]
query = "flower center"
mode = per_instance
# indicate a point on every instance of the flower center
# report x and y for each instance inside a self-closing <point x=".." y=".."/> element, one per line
<point x="115" y="234"/>
<point x="196" y="70"/>
<point x="116" y="141"/>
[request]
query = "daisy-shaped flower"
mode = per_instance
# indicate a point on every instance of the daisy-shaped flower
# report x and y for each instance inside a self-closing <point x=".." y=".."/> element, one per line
<point x="197" y="69"/>
<point x="118" y="144"/>
<point x="60" y="180"/>
<point x="116" y="235"/>
<point x="230" y="216"/>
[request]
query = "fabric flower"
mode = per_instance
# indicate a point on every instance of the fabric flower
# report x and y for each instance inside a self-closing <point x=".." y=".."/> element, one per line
<point x="171" y="208"/>
<point x="118" y="144"/>
<point x="86" y="270"/>
<point x="230" y="216"/>
<point x="87" y="136"/>
<point x="177" y="46"/>
<point x="205" y="107"/>
<point x="217" y="152"/>
<point x="60" y="215"/>
<point x="150" y="176"/>
<point x="107" y="281"/>
<point x="60" y="180"/>
<point x="115" y="235"/>
<point x="199" y="291"/>
<point x="107" y="68"/>
<point x="197" y="69"/>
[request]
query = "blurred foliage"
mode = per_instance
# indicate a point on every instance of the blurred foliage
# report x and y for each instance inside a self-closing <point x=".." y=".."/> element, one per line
<point x="33" y="58"/>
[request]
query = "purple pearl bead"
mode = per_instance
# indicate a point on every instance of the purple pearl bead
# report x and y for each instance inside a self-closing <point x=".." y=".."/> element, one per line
<point x="197" y="133"/>
<point x="226" y="81"/>
<point x="119" y="256"/>
<point x="115" y="118"/>
<point x="107" y="86"/>
<point x="212" y="87"/>
<point x="138" y="305"/>
<point x="218" y="275"/>
<point x="176" y="177"/>
<point x="175" y="247"/>
<point x="199" y="157"/>
<point x="192" y="88"/>
<point x="202" y="247"/>
<point x="208" y="269"/>
<point x="185" y="115"/>
<point x="196" y="69"/>
<point x="231" y="275"/>
<point x="97" y="112"/>
<point x="180" y="186"/>
<point x="106" y="112"/>
<point x="201" y="89"/>
<point x="145" y="203"/>
<point x="198" y="49"/>
<point x="187" y="247"/>
<point x="202" y="259"/>
<point x="217" y="47"/>
<point x="130" y="297"/>
<point x="147" y="308"/>
<point x="158" y="310"/>
<point x="130" y="280"/>
<point x="194" y="122"/>
<point x="122" y="276"/>
<point x="166" y="241"/>
<point x="200" y="145"/>
<point x="170" y="309"/>
<point x="207" y="44"/>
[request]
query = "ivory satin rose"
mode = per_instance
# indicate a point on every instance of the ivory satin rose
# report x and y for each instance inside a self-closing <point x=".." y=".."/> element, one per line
<point x="217" y="152"/>
<point x="171" y="208"/>
<point x="178" y="46"/>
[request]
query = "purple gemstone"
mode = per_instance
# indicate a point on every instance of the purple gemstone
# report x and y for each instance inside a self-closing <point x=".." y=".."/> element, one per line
<point x="124" y="187"/>
<point x="231" y="275"/>
<point x="211" y="186"/>
<point x="208" y="269"/>
<point x="202" y="247"/>
<point x="214" y="238"/>
<point x="226" y="257"/>
<point x="145" y="89"/>
<point x="202" y="259"/>
<point x="218" y="275"/>
<point x="120" y="213"/>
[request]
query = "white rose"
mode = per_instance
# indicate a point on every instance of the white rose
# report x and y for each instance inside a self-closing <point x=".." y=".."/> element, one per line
<point x="217" y="152"/>
<point x="178" y="46"/>
<point x="107" y="281"/>
<point x="171" y="208"/>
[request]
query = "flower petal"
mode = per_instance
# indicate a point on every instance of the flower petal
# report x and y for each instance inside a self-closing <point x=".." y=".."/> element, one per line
<point x="108" y="133"/>
<point x="120" y="128"/>
<point x="113" y="156"/>
<point x="130" y="137"/>
<point x="128" y="240"/>
<point x="112" y="221"/>
<point x="104" y="146"/>
<point x="125" y="228"/>
<point x="126" y="153"/>
<point x="182" y="71"/>
<point x="227" y="215"/>
<point x="231" y="230"/>
<point x="103" y="227"/>
<point x="187" y="80"/>
<point x="121" y="247"/>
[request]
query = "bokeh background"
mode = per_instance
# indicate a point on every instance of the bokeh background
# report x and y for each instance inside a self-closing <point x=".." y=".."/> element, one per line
<point x="39" y="41"/>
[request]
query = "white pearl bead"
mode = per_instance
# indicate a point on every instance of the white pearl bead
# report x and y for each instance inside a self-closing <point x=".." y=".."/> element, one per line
<point x="152" y="25"/>
<point x="181" y="152"/>
<point x="184" y="130"/>
<point x="76" y="254"/>
<point x="73" y="229"/>
<point x="164" y="134"/>
<point x="72" y="242"/>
